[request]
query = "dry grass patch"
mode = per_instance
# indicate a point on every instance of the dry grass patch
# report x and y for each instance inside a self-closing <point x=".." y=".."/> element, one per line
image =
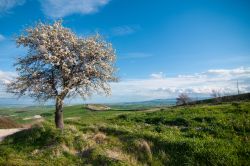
<point x="7" y="123"/>
<point x="72" y="128"/>
<point x="72" y="118"/>
<point x="68" y="150"/>
<point x="97" y="107"/>
<point x="99" y="138"/>
<point x="144" y="150"/>
<point x="117" y="154"/>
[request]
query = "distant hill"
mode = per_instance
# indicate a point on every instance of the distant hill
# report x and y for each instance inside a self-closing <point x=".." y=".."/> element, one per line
<point x="144" y="104"/>
<point x="231" y="98"/>
<point x="171" y="102"/>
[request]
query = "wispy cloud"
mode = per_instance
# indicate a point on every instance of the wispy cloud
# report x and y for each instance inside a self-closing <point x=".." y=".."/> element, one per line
<point x="1" y="37"/>
<point x="227" y="72"/>
<point x="124" y="30"/>
<point x="159" y="75"/>
<point x="6" y="76"/>
<point x="62" y="8"/>
<point x="7" y="5"/>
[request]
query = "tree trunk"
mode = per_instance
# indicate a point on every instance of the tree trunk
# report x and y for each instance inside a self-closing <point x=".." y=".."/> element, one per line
<point x="59" y="113"/>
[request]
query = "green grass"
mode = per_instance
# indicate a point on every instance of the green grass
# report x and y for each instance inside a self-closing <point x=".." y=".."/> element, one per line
<point x="192" y="135"/>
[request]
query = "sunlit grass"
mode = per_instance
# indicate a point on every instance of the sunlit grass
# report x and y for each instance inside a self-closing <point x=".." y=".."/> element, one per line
<point x="191" y="135"/>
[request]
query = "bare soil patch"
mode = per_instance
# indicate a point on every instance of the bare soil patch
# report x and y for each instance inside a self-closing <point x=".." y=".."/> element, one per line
<point x="6" y="132"/>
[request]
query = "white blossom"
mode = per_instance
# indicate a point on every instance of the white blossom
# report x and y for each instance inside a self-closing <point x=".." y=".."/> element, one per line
<point x="59" y="63"/>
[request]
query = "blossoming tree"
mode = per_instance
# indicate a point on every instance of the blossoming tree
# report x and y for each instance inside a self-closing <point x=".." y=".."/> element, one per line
<point x="183" y="99"/>
<point x="59" y="64"/>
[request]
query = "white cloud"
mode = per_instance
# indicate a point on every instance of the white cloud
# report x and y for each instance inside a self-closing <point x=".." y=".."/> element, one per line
<point x="198" y="84"/>
<point x="226" y="72"/>
<point x="124" y="30"/>
<point x="159" y="75"/>
<point x="58" y="8"/>
<point x="159" y="86"/>
<point x="6" y="5"/>
<point x="2" y="37"/>
<point x="6" y="76"/>
<point x="61" y="8"/>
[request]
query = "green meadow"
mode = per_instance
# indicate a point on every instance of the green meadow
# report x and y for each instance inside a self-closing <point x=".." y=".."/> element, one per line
<point x="201" y="134"/>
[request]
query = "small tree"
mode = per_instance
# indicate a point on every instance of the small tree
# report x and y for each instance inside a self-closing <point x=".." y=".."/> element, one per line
<point x="60" y="64"/>
<point x="216" y="94"/>
<point x="183" y="99"/>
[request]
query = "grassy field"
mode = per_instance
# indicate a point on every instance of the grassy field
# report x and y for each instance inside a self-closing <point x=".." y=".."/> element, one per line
<point x="191" y="135"/>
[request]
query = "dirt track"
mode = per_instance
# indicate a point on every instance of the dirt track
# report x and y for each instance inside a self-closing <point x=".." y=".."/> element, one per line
<point x="6" y="132"/>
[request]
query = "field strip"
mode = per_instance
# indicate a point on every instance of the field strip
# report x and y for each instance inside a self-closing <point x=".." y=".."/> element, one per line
<point x="150" y="110"/>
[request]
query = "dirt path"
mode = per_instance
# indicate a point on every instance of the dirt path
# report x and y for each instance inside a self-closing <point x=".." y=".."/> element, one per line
<point x="6" y="132"/>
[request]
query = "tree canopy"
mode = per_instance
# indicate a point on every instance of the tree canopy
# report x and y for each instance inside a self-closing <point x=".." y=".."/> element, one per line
<point x="60" y="64"/>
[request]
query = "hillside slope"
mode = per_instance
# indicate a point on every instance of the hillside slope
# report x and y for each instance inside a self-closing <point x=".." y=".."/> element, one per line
<point x="230" y="98"/>
<point x="192" y="135"/>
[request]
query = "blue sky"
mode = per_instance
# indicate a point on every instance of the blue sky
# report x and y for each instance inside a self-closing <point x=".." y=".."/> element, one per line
<point x="164" y="47"/>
